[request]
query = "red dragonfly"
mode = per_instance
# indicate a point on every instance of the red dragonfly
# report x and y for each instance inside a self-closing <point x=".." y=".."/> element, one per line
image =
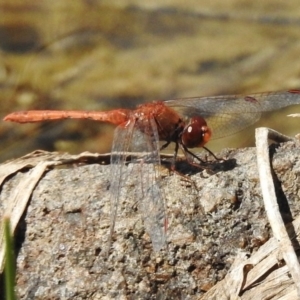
<point x="188" y="123"/>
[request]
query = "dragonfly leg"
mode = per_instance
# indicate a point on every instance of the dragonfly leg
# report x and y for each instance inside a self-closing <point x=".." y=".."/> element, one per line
<point x="164" y="146"/>
<point x="186" y="150"/>
<point x="212" y="154"/>
<point x="204" y="165"/>
<point x="173" y="165"/>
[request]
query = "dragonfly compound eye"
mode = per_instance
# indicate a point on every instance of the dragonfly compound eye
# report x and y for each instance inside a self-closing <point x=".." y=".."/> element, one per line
<point x="196" y="133"/>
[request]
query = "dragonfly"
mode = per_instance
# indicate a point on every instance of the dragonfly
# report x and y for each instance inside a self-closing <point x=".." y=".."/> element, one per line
<point x="187" y="122"/>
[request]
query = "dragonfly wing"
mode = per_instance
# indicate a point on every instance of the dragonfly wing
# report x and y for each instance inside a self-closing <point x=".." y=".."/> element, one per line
<point x="229" y="114"/>
<point x="149" y="192"/>
<point x="153" y="212"/>
<point x="120" y="148"/>
<point x="224" y="116"/>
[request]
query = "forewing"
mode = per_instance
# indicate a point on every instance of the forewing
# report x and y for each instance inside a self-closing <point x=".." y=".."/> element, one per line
<point x="227" y="115"/>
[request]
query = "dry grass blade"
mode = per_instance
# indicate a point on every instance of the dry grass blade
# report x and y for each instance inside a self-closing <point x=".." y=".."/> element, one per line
<point x="20" y="199"/>
<point x="279" y="230"/>
<point x="245" y="275"/>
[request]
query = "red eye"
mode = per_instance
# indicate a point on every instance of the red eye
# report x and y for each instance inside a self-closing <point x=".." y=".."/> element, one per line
<point x="196" y="133"/>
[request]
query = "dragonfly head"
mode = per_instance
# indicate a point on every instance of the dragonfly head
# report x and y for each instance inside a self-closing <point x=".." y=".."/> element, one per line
<point x="196" y="133"/>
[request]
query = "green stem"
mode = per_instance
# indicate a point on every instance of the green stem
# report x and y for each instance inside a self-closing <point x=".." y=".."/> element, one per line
<point x="9" y="269"/>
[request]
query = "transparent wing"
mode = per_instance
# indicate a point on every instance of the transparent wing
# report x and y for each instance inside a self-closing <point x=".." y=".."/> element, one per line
<point x="120" y="148"/>
<point x="226" y="115"/>
<point x="149" y="191"/>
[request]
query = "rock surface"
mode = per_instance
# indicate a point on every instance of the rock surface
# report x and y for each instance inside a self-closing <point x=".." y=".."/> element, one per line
<point x="63" y="234"/>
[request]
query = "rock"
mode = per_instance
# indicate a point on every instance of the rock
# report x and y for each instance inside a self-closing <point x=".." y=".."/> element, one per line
<point x="63" y="234"/>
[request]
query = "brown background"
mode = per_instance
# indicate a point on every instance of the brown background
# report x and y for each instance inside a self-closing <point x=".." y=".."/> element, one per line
<point x="105" y="54"/>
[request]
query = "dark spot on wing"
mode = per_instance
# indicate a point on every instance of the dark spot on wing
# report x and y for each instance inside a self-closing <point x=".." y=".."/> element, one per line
<point x="294" y="91"/>
<point x="250" y="99"/>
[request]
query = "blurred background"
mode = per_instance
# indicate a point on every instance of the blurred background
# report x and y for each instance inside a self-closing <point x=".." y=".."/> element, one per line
<point x="101" y="54"/>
